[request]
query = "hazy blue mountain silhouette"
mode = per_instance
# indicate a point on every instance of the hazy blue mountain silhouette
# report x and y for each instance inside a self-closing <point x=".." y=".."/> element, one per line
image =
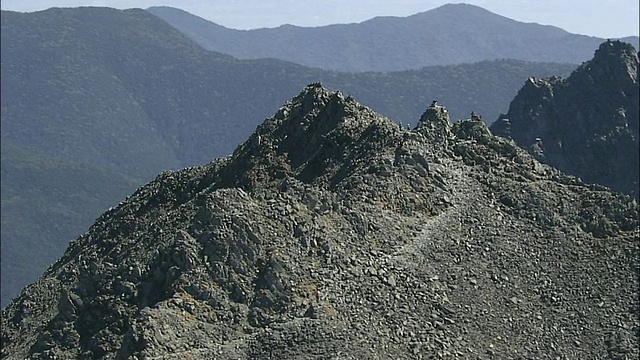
<point x="450" y="34"/>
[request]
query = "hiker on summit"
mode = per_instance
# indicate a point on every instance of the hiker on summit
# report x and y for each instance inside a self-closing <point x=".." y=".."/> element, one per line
<point x="537" y="149"/>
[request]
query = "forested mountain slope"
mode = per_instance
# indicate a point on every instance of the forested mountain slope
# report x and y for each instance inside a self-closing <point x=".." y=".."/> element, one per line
<point x="450" y="34"/>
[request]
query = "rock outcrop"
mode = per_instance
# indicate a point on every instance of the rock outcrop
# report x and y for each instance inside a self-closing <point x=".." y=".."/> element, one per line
<point x="332" y="232"/>
<point x="587" y="124"/>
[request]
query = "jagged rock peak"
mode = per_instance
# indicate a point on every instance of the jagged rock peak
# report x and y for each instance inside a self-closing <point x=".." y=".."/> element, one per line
<point x="310" y="137"/>
<point x="617" y="55"/>
<point x="435" y="113"/>
<point x="435" y="117"/>
<point x="315" y="112"/>
<point x="334" y="232"/>
<point x="586" y="125"/>
<point x="318" y="109"/>
<point x="613" y="61"/>
<point x="614" y="49"/>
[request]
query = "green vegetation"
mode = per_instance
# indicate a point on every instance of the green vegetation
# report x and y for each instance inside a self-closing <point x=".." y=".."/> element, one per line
<point x="45" y="203"/>
<point x="450" y="34"/>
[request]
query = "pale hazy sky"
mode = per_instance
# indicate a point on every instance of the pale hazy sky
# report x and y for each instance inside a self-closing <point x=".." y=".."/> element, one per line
<point x="605" y="19"/>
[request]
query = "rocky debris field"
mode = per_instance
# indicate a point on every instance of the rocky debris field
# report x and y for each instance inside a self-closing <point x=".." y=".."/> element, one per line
<point x="334" y="233"/>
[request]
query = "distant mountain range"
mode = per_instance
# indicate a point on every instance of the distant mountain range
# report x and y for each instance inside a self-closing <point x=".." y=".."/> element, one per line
<point x="450" y="34"/>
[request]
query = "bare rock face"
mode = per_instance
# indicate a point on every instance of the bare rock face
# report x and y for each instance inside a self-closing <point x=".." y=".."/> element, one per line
<point x="587" y="124"/>
<point x="332" y="232"/>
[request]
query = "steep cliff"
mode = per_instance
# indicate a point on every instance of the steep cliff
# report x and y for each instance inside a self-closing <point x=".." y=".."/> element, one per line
<point x="587" y="124"/>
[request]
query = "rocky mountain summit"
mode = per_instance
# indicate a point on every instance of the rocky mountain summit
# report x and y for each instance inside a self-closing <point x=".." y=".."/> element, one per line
<point x="587" y="124"/>
<point x="333" y="232"/>
<point x="121" y="94"/>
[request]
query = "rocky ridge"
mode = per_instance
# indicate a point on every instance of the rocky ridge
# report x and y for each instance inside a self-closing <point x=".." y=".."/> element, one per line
<point x="587" y="124"/>
<point x="332" y="232"/>
<point x="123" y="91"/>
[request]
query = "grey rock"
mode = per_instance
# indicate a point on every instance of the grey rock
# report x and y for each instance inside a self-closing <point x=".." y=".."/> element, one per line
<point x="587" y="124"/>
<point x="327" y="257"/>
